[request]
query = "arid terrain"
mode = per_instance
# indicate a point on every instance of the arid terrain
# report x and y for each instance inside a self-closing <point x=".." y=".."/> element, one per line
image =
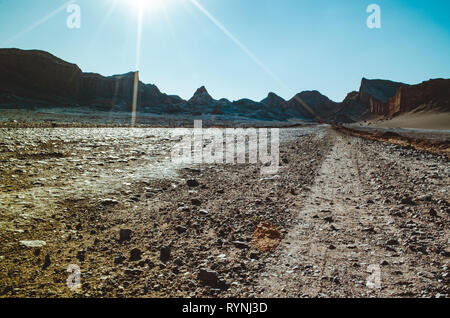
<point x="110" y="201"/>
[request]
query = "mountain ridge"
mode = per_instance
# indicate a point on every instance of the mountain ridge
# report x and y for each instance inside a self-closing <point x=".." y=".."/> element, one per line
<point x="44" y="79"/>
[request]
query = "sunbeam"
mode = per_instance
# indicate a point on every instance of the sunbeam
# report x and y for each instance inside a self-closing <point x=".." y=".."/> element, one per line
<point x="238" y="43"/>
<point x="138" y="60"/>
<point x="247" y="51"/>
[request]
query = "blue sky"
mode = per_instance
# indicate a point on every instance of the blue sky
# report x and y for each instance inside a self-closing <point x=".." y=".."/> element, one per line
<point x="254" y="46"/>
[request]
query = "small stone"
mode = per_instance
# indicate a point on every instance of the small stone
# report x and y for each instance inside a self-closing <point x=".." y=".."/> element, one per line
<point x="203" y="212"/>
<point x="328" y="219"/>
<point x="107" y="202"/>
<point x="392" y="242"/>
<point x="254" y="255"/>
<point x="384" y="263"/>
<point x="46" y="262"/>
<point x="332" y="247"/>
<point x="432" y="212"/>
<point x="426" y="198"/>
<point x="196" y="202"/>
<point x="125" y="235"/>
<point x="240" y="244"/>
<point x="119" y="259"/>
<point x="36" y="243"/>
<point x="81" y="255"/>
<point x="208" y="277"/>
<point x="408" y="201"/>
<point x="192" y="183"/>
<point x="178" y="262"/>
<point x="183" y="209"/>
<point x="180" y="229"/>
<point x="135" y="254"/>
<point x="164" y="255"/>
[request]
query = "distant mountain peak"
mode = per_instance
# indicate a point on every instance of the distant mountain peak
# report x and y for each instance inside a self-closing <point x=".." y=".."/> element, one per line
<point x="272" y="95"/>
<point x="273" y="100"/>
<point x="201" y="97"/>
<point x="201" y="90"/>
<point x="382" y="90"/>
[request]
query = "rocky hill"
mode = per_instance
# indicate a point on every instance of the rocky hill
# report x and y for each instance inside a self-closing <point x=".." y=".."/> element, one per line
<point x="40" y="79"/>
<point x="46" y="79"/>
<point x="387" y="99"/>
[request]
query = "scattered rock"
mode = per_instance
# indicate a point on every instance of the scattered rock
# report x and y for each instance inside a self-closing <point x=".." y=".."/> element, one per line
<point x="208" y="277"/>
<point x="180" y="229"/>
<point x="164" y="254"/>
<point x="192" y="183"/>
<point x="266" y="237"/>
<point x="119" y="259"/>
<point x="408" y="201"/>
<point x="426" y="198"/>
<point x="81" y="255"/>
<point x="46" y="262"/>
<point x="196" y="202"/>
<point x="432" y="212"/>
<point x="135" y="254"/>
<point x="392" y="242"/>
<point x="36" y="243"/>
<point x="125" y="235"/>
<point x="108" y="202"/>
<point x="240" y="244"/>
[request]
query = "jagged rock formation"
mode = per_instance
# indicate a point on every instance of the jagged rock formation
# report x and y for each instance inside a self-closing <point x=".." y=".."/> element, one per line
<point x="201" y="97"/>
<point x="432" y="95"/>
<point x="386" y="99"/>
<point x="40" y="79"/>
<point x="367" y="102"/>
<point x="43" y="77"/>
<point x="313" y="105"/>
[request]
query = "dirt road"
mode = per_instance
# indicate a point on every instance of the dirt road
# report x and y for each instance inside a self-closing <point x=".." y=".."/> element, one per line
<point x="347" y="240"/>
<point x="350" y="213"/>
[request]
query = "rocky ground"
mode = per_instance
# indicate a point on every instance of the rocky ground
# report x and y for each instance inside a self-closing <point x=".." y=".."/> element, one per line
<point x="110" y="201"/>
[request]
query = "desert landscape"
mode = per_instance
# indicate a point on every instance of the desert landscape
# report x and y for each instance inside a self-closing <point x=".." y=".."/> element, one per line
<point x="109" y="200"/>
<point x="214" y="157"/>
<point x="357" y="190"/>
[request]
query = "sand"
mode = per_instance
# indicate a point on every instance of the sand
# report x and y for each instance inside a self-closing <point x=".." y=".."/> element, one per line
<point x="438" y="121"/>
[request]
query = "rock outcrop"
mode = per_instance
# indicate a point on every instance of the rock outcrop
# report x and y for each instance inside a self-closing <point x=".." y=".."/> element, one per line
<point x="313" y="105"/>
<point x="201" y="97"/>
<point x="432" y="95"/>
<point x="387" y="99"/>
<point x="40" y="79"/>
<point x="41" y="76"/>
